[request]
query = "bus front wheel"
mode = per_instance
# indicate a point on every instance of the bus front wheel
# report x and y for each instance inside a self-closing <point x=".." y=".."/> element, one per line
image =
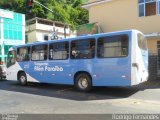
<point x="83" y="82"/>
<point x="22" y="78"/>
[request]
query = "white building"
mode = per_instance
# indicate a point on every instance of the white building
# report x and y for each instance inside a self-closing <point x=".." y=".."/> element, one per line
<point x="38" y="29"/>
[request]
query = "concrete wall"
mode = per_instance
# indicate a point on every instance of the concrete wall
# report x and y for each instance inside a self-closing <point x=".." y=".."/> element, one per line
<point x="31" y="36"/>
<point x="152" y="45"/>
<point x="122" y="14"/>
<point x="37" y="31"/>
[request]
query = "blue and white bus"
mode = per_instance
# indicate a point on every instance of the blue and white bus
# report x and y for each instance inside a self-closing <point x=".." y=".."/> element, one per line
<point x="107" y="59"/>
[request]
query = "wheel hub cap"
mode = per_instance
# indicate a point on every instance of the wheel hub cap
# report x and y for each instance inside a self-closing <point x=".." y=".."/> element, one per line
<point x="22" y="78"/>
<point x="83" y="83"/>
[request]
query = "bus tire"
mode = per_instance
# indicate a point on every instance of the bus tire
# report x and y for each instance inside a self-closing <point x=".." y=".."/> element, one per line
<point x="83" y="82"/>
<point x="22" y="79"/>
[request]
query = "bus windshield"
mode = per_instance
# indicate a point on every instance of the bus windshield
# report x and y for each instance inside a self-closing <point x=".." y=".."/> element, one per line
<point x="11" y="58"/>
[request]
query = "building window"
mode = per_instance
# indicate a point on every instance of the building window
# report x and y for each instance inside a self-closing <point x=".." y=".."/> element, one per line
<point x="141" y="10"/>
<point x="148" y="7"/>
<point x="13" y="27"/>
<point x="46" y="37"/>
<point x="158" y="6"/>
<point x="151" y="8"/>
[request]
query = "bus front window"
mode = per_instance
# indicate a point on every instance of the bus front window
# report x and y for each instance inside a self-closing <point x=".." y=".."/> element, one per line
<point x="11" y="58"/>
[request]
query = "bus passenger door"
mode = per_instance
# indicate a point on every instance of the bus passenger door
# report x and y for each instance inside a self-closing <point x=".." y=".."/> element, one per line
<point x="38" y="62"/>
<point x="12" y="66"/>
<point x="58" y="68"/>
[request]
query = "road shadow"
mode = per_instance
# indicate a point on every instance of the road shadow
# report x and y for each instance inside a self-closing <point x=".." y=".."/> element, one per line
<point x="2" y="80"/>
<point x="68" y="92"/>
<point x="147" y="85"/>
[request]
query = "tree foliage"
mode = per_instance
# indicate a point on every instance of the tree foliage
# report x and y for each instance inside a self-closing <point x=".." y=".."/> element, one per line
<point x="67" y="11"/>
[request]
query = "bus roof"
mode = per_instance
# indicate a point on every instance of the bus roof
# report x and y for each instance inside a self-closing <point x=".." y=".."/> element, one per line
<point x="80" y="37"/>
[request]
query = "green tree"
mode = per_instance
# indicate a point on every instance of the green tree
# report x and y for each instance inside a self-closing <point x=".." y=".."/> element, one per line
<point x="59" y="11"/>
<point x="13" y="5"/>
<point x="78" y="16"/>
<point x="66" y="11"/>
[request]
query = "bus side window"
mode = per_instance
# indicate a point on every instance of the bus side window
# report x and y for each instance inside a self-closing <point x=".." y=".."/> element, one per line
<point x="112" y="46"/>
<point x="59" y="51"/>
<point x="39" y="52"/>
<point x="23" y="54"/>
<point x="83" y="49"/>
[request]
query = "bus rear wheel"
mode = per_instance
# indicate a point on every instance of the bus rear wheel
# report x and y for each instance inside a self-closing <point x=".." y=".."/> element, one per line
<point x="22" y="79"/>
<point x="83" y="82"/>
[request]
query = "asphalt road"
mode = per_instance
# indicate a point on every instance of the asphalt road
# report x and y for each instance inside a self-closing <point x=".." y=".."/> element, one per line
<point x="61" y="99"/>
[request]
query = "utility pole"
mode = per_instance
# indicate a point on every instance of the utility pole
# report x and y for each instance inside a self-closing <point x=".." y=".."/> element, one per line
<point x="65" y="30"/>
